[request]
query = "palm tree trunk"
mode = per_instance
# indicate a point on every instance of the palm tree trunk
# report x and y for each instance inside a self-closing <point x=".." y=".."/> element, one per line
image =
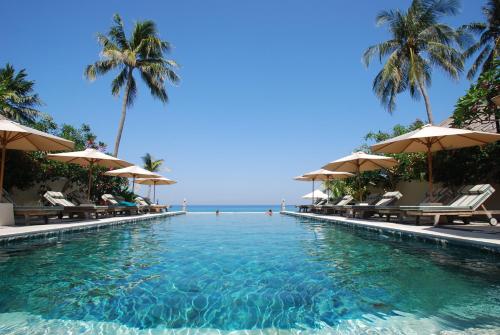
<point x="124" y="114"/>
<point x="428" y="108"/>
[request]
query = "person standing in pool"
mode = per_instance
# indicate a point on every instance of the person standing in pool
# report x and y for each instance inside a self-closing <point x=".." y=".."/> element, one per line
<point x="270" y="212"/>
<point x="217" y="212"/>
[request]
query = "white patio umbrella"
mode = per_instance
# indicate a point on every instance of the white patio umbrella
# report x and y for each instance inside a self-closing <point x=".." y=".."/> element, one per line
<point x="154" y="182"/>
<point x="431" y="138"/>
<point x="359" y="162"/>
<point x="323" y="175"/>
<point x="133" y="172"/>
<point x="316" y="194"/>
<point x="18" y="137"/>
<point x="89" y="158"/>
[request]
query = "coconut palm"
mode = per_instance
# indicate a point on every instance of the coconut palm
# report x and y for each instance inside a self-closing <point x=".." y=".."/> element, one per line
<point x="418" y="43"/>
<point x="152" y="165"/>
<point x="142" y="51"/>
<point x="489" y="40"/>
<point x="17" y="100"/>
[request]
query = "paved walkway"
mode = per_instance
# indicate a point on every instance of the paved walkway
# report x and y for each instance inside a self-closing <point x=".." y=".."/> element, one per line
<point x="10" y="233"/>
<point x="477" y="236"/>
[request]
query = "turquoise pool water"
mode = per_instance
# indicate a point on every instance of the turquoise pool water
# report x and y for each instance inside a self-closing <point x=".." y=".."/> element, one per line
<point x="231" y="208"/>
<point x="244" y="273"/>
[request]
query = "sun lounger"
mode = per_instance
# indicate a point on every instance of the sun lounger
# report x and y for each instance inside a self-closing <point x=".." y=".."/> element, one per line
<point x="318" y="206"/>
<point x="70" y="208"/>
<point x="440" y="196"/>
<point x="29" y="211"/>
<point x="142" y="205"/>
<point x="465" y="206"/>
<point x="44" y="212"/>
<point x="367" y="210"/>
<point x="339" y="206"/>
<point x="308" y="208"/>
<point x="118" y="205"/>
<point x="152" y="206"/>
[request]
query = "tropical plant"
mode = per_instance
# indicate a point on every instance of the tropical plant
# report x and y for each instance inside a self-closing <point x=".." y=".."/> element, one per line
<point x="143" y="51"/>
<point x="152" y="165"/>
<point x="36" y="168"/>
<point x="419" y="42"/>
<point x="488" y="44"/>
<point x="477" y="106"/>
<point x="411" y="166"/>
<point x="17" y="99"/>
<point x="338" y="188"/>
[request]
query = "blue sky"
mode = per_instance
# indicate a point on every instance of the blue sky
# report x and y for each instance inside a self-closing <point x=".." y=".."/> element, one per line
<point x="270" y="89"/>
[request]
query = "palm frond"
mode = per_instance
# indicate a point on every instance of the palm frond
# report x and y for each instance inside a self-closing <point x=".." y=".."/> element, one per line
<point x="142" y="31"/>
<point x="382" y="50"/>
<point x="99" y="67"/>
<point x="117" y="33"/>
<point x="132" y="91"/>
<point x="155" y="84"/>
<point x="119" y="82"/>
<point x="17" y="98"/>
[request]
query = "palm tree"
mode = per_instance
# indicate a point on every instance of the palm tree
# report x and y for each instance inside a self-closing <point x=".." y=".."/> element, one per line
<point x="144" y="52"/>
<point x="152" y="165"/>
<point x="489" y="40"/>
<point x="17" y="100"/>
<point x="418" y="43"/>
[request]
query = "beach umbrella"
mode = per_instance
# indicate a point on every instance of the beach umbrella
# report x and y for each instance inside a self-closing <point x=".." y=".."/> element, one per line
<point x="154" y="182"/>
<point x="323" y="175"/>
<point x="431" y="138"/>
<point x="359" y="162"/>
<point x="133" y="172"/>
<point x="316" y="194"/>
<point x="18" y="137"/>
<point x="89" y="158"/>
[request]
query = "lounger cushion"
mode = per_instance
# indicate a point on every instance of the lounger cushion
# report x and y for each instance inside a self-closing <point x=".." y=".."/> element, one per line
<point x="345" y="200"/>
<point x="57" y="198"/>
<point x="388" y="198"/>
<point x="472" y="196"/>
<point x="109" y="198"/>
<point x="127" y="204"/>
<point x="477" y="189"/>
<point x="140" y="201"/>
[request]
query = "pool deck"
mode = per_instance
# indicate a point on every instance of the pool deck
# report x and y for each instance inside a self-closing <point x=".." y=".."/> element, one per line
<point x="476" y="236"/>
<point x="14" y="233"/>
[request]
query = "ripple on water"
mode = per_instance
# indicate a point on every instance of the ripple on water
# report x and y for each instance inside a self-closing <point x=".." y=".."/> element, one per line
<point x="244" y="273"/>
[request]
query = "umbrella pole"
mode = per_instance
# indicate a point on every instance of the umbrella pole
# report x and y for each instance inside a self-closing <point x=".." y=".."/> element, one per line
<point x="2" y="169"/>
<point x="327" y="189"/>
<point x="90" y="181"/>
<point x="358" y="177"/>
<point x="429" y="167"/>
<point x="154" y="192"/>
<point x="133" y="184"/>
<point x="313" y="193"/>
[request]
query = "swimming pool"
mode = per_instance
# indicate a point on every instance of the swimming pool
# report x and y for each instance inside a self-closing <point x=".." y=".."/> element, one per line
<point x="201" y="274"/>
